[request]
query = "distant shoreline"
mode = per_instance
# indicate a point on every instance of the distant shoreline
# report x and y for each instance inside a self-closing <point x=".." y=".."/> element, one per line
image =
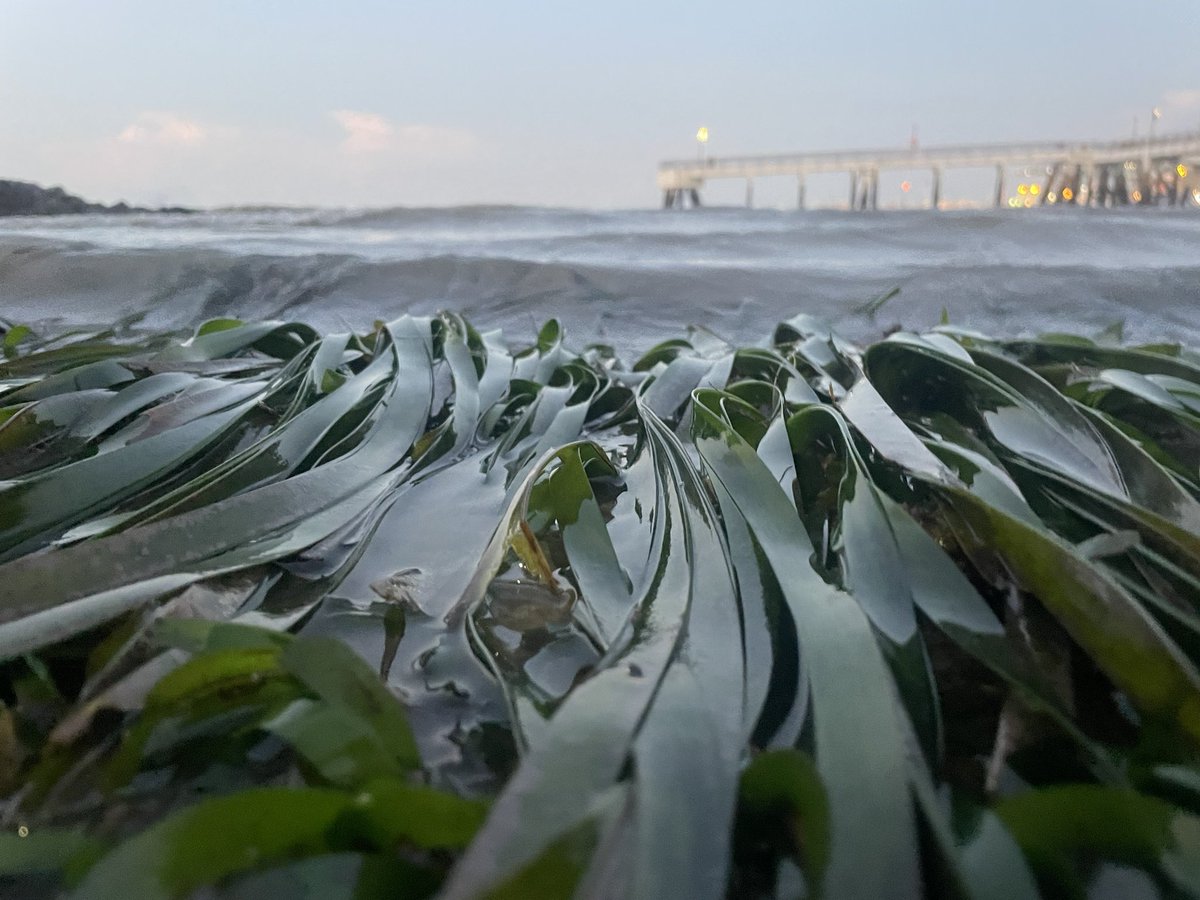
<point x="24" y="198"/>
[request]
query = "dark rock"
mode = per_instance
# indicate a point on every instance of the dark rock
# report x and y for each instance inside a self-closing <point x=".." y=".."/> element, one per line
<point x="22" y="198"/>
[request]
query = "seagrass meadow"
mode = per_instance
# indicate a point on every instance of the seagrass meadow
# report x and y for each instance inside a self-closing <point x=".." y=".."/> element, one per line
<point x="421" y="612"/>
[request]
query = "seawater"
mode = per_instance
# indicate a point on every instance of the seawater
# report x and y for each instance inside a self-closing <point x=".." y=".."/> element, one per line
<point x="628" y="278"/>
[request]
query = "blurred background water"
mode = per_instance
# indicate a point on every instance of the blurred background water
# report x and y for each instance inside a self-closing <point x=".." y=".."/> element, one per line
<point x="629" y="278"/>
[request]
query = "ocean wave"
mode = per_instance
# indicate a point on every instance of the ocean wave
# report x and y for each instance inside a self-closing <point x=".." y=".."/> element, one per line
<point x="44" y="281"/>
<point x="418" y="216"/>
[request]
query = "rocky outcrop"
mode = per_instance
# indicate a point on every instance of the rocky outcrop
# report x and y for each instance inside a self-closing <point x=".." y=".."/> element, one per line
<point x="23" y="198"/>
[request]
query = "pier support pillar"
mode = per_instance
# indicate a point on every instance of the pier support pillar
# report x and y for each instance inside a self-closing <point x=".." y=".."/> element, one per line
<point x="1120" y="192"/>
<point x="999" y="186"/>
<point x="1048" y="187"/>
<point x="800" y="192"/>
<point x="1082" y="185"/>
<point x="681" y="198"/>
<point x="1101" y="191"/>
<point x="749" y="193"/>
<point x="937" y="189"/>
<point x="853" y="189"/>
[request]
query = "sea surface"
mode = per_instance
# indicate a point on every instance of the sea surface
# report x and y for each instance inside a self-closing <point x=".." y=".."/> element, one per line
<point x="628" y="278"/>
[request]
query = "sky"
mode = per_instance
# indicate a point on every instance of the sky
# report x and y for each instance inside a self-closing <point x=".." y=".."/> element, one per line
<point x="421" y="103"/>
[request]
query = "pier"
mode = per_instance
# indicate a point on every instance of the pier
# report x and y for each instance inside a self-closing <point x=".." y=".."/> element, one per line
<point x="1163" y="170"/>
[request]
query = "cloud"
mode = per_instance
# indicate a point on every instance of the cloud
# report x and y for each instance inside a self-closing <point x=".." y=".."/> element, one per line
<point x="162" y="129"/>
<point x="344" y="157"/>
<point x="367" y="132"/>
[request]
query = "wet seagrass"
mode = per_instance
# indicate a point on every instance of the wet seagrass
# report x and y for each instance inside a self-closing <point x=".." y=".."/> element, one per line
<point x="421" y="612"/>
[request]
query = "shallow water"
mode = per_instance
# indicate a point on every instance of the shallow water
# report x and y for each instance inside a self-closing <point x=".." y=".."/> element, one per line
<point x="626" y="278"/>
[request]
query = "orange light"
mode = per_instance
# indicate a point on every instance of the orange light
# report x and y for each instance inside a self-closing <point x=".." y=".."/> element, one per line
<point x="1028" y="202"/>
<point x="1182" y="170"/>
<point x="1022" y="189"/>
<point x="906" y="186"/>
<point x="1068" y="194"/>
<point x="1137" y="196"/>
